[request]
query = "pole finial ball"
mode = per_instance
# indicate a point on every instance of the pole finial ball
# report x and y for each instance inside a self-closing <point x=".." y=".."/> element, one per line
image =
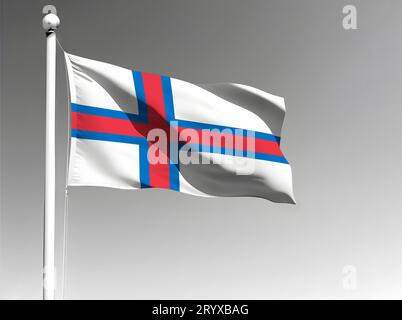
<point x="50" y="22"/>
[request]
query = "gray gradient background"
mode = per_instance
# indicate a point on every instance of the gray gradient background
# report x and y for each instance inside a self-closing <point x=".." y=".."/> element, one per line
<point x="341" y="134"/>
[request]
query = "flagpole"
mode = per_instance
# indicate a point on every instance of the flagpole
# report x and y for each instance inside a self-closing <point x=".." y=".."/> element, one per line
<point x="50" y="23"/>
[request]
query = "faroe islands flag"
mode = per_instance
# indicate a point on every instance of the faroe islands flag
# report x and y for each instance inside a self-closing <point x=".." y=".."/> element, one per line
<point x="133" y="130"/>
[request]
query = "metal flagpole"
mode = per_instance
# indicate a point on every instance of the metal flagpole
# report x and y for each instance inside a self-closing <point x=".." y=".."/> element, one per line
<point x="50" y="23"/>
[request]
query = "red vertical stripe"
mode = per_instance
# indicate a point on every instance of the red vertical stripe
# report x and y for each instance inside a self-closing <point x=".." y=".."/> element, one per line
<point x="158" y="173"/>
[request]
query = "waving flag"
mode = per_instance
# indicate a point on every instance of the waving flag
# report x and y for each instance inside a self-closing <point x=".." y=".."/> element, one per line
<point x="133" y="130"/>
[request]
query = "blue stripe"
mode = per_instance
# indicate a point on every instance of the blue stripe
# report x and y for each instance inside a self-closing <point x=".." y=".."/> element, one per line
<point x="140" y="94"/>
<point x="234" y="152"/>
<point x="144" y="166"/>
<point x="143" y="111"/>
<point x="75" y="107"/>
<point x="167" y="93"/>
<point x="174" y="176"/>
<point x="270" y="157"/>
<point x="169" y="109"/>
<point x="206" y="126"/>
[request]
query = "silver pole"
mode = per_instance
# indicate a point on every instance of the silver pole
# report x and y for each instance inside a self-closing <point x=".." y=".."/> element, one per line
<point x="50" y="24"/>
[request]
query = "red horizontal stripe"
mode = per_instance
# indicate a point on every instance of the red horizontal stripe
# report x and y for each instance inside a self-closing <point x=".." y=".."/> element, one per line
<point x="93" y="123"/>
<point x="237" y="142"/>
<point x="87" y="122"/>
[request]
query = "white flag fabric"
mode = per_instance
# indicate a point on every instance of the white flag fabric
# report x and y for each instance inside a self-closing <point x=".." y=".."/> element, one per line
<point x="133" y="130"/>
